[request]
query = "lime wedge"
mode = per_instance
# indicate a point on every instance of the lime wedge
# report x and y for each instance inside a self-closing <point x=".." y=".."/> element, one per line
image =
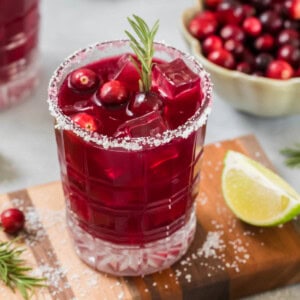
<point x="255" y="194"/>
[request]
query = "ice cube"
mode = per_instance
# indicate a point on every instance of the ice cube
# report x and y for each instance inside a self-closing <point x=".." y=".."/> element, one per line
<point x="127" y="72"/>
<point x="173" y="78"/>
<point x="150" y="124"/>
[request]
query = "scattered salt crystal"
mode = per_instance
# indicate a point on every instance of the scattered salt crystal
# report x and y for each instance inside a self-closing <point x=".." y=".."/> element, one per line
<point x="154" y="283"/>
<point x="188" y="277"/>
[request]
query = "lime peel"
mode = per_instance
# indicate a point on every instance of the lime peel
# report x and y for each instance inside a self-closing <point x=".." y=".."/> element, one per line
<point x="255" y="194"/>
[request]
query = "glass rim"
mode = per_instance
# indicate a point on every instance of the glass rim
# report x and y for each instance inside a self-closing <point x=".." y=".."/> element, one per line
<point x="64" y="122"/>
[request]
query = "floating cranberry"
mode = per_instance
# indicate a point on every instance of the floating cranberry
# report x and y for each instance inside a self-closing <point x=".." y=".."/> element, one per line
<point x="85" y="121"/>
<point x="12" y="220"/>
<point x="222" y="58"/>
<point x="279" y="69"/>
<point x="264" y="42"/>
<point x="252" y="26"/>
<point x="211" y="43"/>
<point x="262" y="61"/>
<point x="201" y="27"/>
<point x="289" y="54"/>
<point x="144" y="103"/>
<point x="113" y="92"/>
<point x="84" y="80"/>
<point x="231" y="31"/>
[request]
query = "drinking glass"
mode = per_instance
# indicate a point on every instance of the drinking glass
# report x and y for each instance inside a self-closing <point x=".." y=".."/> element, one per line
<point x="19" y="28"/>
<point x="130" y="202"/>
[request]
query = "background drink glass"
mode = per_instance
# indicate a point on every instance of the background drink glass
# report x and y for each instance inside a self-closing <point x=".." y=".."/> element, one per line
<point x="130" y="201"/>
<point x="19" y="28"/>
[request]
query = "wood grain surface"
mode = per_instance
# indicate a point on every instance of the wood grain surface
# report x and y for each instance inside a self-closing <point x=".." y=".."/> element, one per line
<point x="227" y="260"/>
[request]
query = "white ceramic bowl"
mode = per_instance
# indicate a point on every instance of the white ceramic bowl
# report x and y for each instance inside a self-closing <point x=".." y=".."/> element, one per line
<point x="259" y="96"/>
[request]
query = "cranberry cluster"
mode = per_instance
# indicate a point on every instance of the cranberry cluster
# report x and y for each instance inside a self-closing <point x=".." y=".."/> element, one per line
<point x="258" y="37"/>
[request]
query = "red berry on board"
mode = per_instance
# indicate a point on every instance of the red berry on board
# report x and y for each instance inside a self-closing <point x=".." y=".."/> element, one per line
<point x="211" y="43"/>
<point x="84" y="80"/>
<point x="222" y="58"/>
<point x="279" y="69"/>
<point x="12" y="220"/>
<point x="85" y="121"/>
<point x="252" y="26"/>
<point x="113" y="92"/>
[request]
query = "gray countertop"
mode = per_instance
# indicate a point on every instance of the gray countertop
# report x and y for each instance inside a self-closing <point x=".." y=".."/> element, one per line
<point x="27" y="148"/>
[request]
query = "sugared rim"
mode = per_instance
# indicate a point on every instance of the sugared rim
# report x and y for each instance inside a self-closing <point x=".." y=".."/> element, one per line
<point x="64" y="122"/>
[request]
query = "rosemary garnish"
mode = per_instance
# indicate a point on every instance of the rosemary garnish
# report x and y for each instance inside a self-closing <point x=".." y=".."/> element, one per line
<point x="292" y="156"/>
<point x="144" y="49"/>
<point x="14" y="272"/>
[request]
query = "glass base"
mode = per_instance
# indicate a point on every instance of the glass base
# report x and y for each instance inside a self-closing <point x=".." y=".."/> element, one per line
<point x="20" y="86"/>
<point x="128" y="260"/>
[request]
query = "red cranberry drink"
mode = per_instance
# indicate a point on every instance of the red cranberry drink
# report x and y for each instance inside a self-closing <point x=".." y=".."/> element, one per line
<point x="19" y="26"/>
<point x="129" y="145"/>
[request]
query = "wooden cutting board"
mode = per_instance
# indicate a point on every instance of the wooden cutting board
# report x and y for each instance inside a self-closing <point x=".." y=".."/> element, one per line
<point x="227" y="260"/>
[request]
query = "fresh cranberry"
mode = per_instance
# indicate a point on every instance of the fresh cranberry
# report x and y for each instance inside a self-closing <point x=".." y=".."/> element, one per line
<point x="297" y="73"/>
<point x="249" y="10"/>
<point x="291" y="24"/>
<point x="293" y="8"/>
<point x="113" y="92"/>
<point x="211" y="43"/>
<point x="235" y="47"/>
<point x="144" y="103"/>
<point x="202" y="27"/>
<point x="12" y="220"/>
<point x="289" y="54"/>
<point x="262" y="61"/>
<point x="84" y="80"/>
<point x="248" y="57"/>
<point x="252" y="26"/>
<point x="230" y="12"/>
<point x="231" y="31"/>
<point x="279" y="69"/>
<point x="271" y="21"/>
<point x="264" y="42"/>
<point x="244" y="67"/>
<point x="222" y="58"/>
<point x="85" y="121"/>
<point x="288" y="36"/>
<point x="212" y="4"/>
<point x="261" y="4"/>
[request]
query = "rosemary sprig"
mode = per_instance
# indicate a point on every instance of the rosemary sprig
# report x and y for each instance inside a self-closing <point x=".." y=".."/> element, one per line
<point x="292" y="156"/>
<point x="14" y="272"/>
<point x="143" y="49"/>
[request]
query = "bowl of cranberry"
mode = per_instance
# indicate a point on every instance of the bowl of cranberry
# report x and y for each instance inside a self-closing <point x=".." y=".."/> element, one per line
<point x="252" y="51"/>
